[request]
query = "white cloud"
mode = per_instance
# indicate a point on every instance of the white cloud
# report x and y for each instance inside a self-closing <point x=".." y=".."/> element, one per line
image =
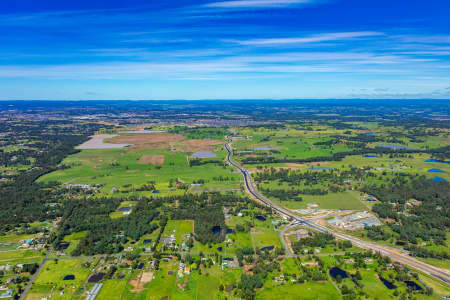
<point x="335" y="36"/>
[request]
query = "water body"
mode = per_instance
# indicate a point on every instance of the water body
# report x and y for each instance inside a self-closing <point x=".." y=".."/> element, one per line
<point x="64" y="245"/>
<point x="436" y="171"/>
<point x="155" y="192"/>
<point x="147" y="241"/>
<point x="267" y="248"/>
<point x="204" y="155"/>
<point x="370" y="156"/>
<point x="321" y="169"/>
<point x="266" y="148"/>
<point x="335" y="272"/>
<point x="261" y="218"/>
<point x="387" y="283"/>
<point x="439" y="179"/>
<point x="369" y="133"/>
<point x="437" y="161"/>
<point x="229" y="230"/>
<point x="125" y="208"/>
<point x="395" y="147"/>
<point x="413" y="285"/>
<point x="220" y="249"/>
<point x="69" y="277"/>
<point x="216" y="229"/>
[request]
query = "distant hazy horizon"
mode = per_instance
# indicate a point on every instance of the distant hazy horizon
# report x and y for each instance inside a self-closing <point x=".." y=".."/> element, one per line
<point x="224" y="49"/>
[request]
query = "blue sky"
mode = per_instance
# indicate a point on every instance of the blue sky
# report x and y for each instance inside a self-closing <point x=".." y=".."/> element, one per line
<point x="224" y="49"/>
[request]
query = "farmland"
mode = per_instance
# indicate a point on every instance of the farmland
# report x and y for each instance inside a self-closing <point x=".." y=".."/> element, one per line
<point x="127" y="208"/>
<point x="126" y="169"/>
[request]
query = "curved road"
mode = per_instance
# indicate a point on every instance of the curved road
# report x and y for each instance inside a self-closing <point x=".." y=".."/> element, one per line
<point x="394" y="254"/>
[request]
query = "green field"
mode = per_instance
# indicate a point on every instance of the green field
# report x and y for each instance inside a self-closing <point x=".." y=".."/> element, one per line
<point x="119" y="169"/>
<point x="50" y="281"/>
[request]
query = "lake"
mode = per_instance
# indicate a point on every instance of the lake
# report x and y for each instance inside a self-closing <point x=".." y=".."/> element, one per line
<point x="436" y="171"/>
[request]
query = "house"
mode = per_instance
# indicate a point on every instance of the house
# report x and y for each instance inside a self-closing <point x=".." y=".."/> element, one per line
<point x="7" y="294"/>
<point x="5" y="268"/>
<point x="368" y="260"/>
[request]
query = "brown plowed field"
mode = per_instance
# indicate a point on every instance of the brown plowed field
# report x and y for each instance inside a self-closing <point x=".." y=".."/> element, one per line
<point x="165" y="141"/>
<point x="199" y="145"/>
<point x="148" y="141"/>
<point x="151" y="160"/>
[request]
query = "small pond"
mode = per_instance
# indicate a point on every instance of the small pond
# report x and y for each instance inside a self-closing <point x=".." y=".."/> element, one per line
<point x="69" y="277"/>
<point x="204" y="155"/>
<point x="413" y="285"/>
<point x="260" y="218"/>
<point x="335" y="272"/>
<point x="216" y="229"/>
<point x="321" y="169"/>
<point x="436" y="171"/>
<point x="125" y="208"/>
<point x="147" y="241"/>
<point x="370" y="156"/>
<point x="437" y="161"/>
<point x="266" y="148"/>
<point x="267" y="248"/>
<point x="439" y="179"/>
<point x="395" y="147"/>
<point x="229" y="231"/>
<point x="387" y="283"/>
<point x="64" y="245"/>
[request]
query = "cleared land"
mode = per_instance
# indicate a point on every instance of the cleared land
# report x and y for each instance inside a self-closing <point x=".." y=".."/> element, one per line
<point x="151" y="160"/>
<point x="98" y="142"/>
<point x="198" y="145"/>
<point x="147" y="141"/>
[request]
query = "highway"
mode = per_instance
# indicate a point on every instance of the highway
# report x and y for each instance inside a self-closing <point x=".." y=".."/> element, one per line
<point x="394" y="254"/>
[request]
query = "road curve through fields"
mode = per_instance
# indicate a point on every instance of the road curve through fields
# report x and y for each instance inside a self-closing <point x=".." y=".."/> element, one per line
<point x="394" y="254"/>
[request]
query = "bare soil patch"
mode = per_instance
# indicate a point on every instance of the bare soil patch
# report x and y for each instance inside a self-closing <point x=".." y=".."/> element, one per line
<point x="316" y="163"/>
<point x="146" y="277"/>
<point x="151" y="160"/>
<point x="147" y="141"/>
<point x="139" y="281"/>
<point x="98" y="142"/>
<point x="199" y="145"/>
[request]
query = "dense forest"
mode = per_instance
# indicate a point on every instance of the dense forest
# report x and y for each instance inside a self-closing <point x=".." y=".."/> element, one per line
<point x="105" y="235"/>
<point x="428" y="220"/>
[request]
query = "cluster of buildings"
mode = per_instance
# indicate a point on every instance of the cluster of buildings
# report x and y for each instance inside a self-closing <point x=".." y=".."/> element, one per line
<point x="170" y="242"/>
<point x="183" y="270"/>
<point x="355" y="221"/>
